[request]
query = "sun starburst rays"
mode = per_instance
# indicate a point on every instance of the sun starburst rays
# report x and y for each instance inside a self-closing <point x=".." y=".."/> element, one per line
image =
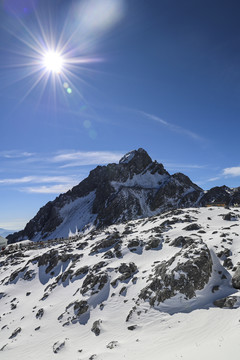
<point x="48" y="59"/>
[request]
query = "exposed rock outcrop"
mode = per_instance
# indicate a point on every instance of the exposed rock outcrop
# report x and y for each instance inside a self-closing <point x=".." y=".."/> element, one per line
<point x="189" y="270"/>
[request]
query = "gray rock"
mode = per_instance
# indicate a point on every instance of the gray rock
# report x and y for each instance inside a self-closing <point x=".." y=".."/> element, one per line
<point x="80" y="307"/>
<point x="39" y="314"/>
<point x="15" y="333"/>
<point x="185" y="277"/>
<point x="94" y="283"/>
<point x="230" y="217"/>
<point x="112" y="345"/>
<point x="180" y="241"/>
<point x="153" y="243"/>
<point x="132" y="327"/>
<point x="236" y="278"/>
<point x="57" y="346"/>
<point x="227" y="302"/>
<point x="96" y="329"/>
<point x="192" y="227"/>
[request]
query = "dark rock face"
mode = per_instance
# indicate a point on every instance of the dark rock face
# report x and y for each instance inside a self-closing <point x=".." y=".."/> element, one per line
<point x="228" y="302"/>
<point x="221" y="194"/>
<point x="57" y="346"/>
<point x="230" y="217"/>
<point x="236" y="279"/>
<point x="192" y="227"/>
<point x="134" y="188"/>
<point x="94" y="283"/>
<point x="189" y="270"/>
<point x="40" y="313"/>
<point x="96" y="329"/>
<point x="180" y="241"/>
<point x="15" y="333"/>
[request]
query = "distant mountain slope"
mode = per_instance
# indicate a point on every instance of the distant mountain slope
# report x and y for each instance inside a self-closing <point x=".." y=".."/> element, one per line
<point x="164" y="287"/>
<point x="136" y="187"/>
<point x="5" y="232"/>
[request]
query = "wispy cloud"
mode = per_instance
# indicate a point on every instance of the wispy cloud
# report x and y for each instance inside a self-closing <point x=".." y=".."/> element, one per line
<point x="175" y="166"/>
<point x="80" y="158"/>
<point x="44" y="189"/>
<point x="214" y="178"/>
<point x="232" y="171"/>
<point x="171" y="127"/>
<point x="15" y="154"/>
<point x="37" y="180"/>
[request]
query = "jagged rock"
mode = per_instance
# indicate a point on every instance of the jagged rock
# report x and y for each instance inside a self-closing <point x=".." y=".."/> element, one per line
<point x="112" y="344"/>
<point x="106" y="244"/>
<point x="3" y="347"/>
<point x="96" y="329"/>
<point x="127" y="270"/>
<point x="132" y="327"/>
<point x="134" y="244"/>
<point x="230" y="217"/>
<point x="81" y="271"/>
<point x="29" y="275"/>
<point x="94" y="283"/>
<point x="154" y="243"/>
<point x="227" y="302"/>
<point x="2" y="294"/>
<point x="15" y="274"/>
<point x="181" y="241"/>
<point x="228" y="264"/>
<point x="80" y="307"/>
<point x="15" y="333"/>
<point x="192" y="227"/>
<point x="57" y="346"/>
<point x="185" y="277"/>
<point x="39" y="314"/>
<point x="225" y="253"/>
<point x="49" y="258"/>
<point x="92" y="357"/>
<point x="236" y="278"/>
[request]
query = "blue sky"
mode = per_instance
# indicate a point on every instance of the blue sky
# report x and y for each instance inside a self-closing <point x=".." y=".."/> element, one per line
<point x="163" y="75"/>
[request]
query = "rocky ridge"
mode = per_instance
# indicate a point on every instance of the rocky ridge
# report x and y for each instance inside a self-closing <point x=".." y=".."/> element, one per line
<point x="135" y="188"/>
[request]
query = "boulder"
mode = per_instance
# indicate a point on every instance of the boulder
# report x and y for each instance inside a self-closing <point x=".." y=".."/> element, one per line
<point x="236" y="278"/>
<point x="187" y="271"/>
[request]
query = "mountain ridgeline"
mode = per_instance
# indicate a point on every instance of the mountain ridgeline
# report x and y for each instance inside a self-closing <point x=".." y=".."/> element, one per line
<point x="137" y="187"/>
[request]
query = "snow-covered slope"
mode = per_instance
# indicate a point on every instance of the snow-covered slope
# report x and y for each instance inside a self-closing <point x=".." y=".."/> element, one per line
<point x="161" y="287"/>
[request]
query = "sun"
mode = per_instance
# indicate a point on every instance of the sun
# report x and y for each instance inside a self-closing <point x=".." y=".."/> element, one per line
<point x="53" y="62"/>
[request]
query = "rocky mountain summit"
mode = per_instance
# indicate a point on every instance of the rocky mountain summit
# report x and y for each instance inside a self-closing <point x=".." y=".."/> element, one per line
<point x="135" y="188"/>
<point x="168" y="283"/>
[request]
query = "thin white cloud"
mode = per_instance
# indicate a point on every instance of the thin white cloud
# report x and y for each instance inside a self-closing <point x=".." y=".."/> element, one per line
<point x="232" y="171"/>
<point x="15" y="154"/>
<point x="37" y="180"/>
<point x="44" y="189"/>
<point x="214" y="178"/>
<point x="174" y="166"/>
<point x="171" y="127"/>
<point x="80" y="158"/>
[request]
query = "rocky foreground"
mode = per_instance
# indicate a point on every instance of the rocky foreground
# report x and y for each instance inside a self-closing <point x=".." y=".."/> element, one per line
<point x="168" y="285"/>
